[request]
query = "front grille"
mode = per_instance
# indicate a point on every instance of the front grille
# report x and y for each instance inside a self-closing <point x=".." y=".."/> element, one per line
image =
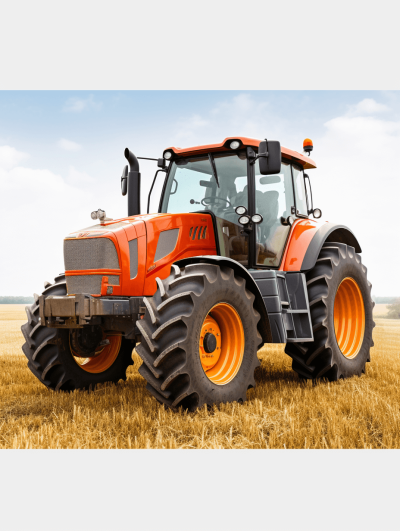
<point x="90" y="253"/>
<point x="88" y="283"/>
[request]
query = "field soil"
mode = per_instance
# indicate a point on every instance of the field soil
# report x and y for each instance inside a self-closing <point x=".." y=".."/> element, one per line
<point x="282" y="412"/>
<point x="380" y="310"/>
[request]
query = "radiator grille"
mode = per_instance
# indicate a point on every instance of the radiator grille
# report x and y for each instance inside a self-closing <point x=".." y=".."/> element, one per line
<point x="88" y="283"/>
<point x="90" y="253"/>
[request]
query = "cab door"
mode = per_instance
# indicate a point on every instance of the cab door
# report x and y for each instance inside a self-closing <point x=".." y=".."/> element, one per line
<point x="274" y="199"/>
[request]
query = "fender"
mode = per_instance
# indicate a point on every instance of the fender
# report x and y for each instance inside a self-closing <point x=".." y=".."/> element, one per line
<point x="264" y="324"/>
<point x="306" y="239"/>
<point x="328" y="232"/>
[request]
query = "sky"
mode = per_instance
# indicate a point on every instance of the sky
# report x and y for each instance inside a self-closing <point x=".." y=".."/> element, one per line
<point x="61" y="157"/>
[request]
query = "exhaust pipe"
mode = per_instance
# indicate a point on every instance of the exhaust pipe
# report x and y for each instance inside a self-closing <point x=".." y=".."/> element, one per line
<point x="133" y="184"/>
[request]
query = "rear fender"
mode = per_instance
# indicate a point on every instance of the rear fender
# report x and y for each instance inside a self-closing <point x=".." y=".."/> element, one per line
<point x="306" y="239"/>
<point x="328" y="232"/>
<point x="264" y="324"/>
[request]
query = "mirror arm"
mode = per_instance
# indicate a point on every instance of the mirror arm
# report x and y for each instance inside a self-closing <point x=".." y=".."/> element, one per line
<point x="152" y="186"/>
<point x="255" y="157"/>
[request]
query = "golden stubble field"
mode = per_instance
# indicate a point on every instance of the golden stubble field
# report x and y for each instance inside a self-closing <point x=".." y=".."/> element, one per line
<point x="281" y="412"/>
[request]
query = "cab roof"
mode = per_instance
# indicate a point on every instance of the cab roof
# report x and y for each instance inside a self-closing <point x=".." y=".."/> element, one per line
<point x="289" y="154"/>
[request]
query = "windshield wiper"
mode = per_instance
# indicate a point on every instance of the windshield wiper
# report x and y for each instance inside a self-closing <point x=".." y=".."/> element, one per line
<point x="214" y="169"/>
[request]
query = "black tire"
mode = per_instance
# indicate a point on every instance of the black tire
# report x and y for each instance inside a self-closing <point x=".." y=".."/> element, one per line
<point x="49" y="355"/>
<point x="323" y="357"/>
<point x="171" y="331"/>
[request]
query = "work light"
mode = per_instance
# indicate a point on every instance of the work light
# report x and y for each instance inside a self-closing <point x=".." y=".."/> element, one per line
<point x="241" y="210"/>
<point x="234" y="145"/>
<point x="257" y="218"/>
<point x="167" y="155"/>
<point x="244" y="220"/>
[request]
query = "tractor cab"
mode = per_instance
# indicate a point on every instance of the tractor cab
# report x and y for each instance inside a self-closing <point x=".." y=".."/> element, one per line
<point x="221" y="178"/>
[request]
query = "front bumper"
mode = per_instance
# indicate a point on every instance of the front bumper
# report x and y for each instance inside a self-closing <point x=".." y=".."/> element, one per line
<point x="76" y="311"/>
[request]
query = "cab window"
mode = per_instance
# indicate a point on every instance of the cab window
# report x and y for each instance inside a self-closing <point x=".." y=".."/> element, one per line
<point x="274" y="199"/>
<point x="300" y="190"/>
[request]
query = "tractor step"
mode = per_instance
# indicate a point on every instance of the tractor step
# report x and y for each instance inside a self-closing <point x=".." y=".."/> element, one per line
<point x="286" y="300"/>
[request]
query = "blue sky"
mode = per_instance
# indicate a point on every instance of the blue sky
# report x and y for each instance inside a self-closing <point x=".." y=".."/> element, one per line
<point x="61" y="156"/>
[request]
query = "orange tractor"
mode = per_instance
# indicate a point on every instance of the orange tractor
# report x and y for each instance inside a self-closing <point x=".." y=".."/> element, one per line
<point x="231" y="261"/>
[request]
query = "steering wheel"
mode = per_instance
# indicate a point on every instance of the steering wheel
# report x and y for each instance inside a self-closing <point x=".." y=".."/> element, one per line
<point x="206" y="201"/>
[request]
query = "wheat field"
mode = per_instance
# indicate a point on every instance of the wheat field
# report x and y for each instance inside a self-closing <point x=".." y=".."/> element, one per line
<point x="281" y="412"/>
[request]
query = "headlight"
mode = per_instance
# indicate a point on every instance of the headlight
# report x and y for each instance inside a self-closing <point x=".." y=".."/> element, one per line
<point x="257" y="218"/>
<point x="240" y="210"/>
<point x="244" y="220"/>
<point x="167" y="155"/>
<point x="317" y="213"/>
<point x="234" y="145"/>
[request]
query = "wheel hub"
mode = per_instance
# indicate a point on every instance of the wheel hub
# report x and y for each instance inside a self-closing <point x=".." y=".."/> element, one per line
<point x="84" y="342"/>
<point x="221" y="344"/>
<point x="103" y="356"/>
<point x="210" y="343"/>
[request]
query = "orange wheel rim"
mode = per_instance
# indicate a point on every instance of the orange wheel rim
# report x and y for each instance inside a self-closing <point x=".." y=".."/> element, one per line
<point x="221" y="352"/>
<point x="105" y="356"/>
<point x="349" y="318"/>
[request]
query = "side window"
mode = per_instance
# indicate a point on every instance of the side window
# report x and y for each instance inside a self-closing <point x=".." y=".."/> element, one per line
<point x="300" y="190"/>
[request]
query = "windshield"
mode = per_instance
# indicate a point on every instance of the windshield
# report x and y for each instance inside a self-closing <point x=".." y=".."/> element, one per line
<point x="192" y="187"/>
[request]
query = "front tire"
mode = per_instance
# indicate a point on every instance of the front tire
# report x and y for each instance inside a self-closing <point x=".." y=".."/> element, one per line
<point x="199" y="338"/>
<point x="51" y="357"/>
<point x="341" y="314"/>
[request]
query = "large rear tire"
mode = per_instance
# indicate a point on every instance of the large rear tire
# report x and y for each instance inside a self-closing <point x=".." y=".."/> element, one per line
<point x="51" y="356"/>
<point x="341" y="314"/>
<point x="199" y="338"/>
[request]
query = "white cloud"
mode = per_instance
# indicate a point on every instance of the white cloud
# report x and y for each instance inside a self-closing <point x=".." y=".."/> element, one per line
<point x="81" y="104"/>
<point x="79" y="177"/>
<point x="69" y="145"/>
<point x="242" y="115"/>
<point x="357" y="184"/>
<point x="367" y="107"/>
<point x="43" y="208"/>
<point x="10" y="157"/>
<point x="187" y="130"/>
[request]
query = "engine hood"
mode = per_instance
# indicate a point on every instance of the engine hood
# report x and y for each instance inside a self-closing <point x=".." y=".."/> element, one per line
<point x="124" y="257"/>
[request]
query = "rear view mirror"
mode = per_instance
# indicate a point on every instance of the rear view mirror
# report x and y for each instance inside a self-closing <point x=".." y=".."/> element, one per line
<point x="124" y="180"/>
<point x="269" y="157"/>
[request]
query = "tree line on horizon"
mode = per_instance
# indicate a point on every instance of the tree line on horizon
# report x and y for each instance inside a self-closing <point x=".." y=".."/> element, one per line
<point x="8" y="299"/>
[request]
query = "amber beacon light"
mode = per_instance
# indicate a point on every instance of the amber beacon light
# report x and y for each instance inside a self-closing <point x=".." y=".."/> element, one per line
<point x="308" y="146"/>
